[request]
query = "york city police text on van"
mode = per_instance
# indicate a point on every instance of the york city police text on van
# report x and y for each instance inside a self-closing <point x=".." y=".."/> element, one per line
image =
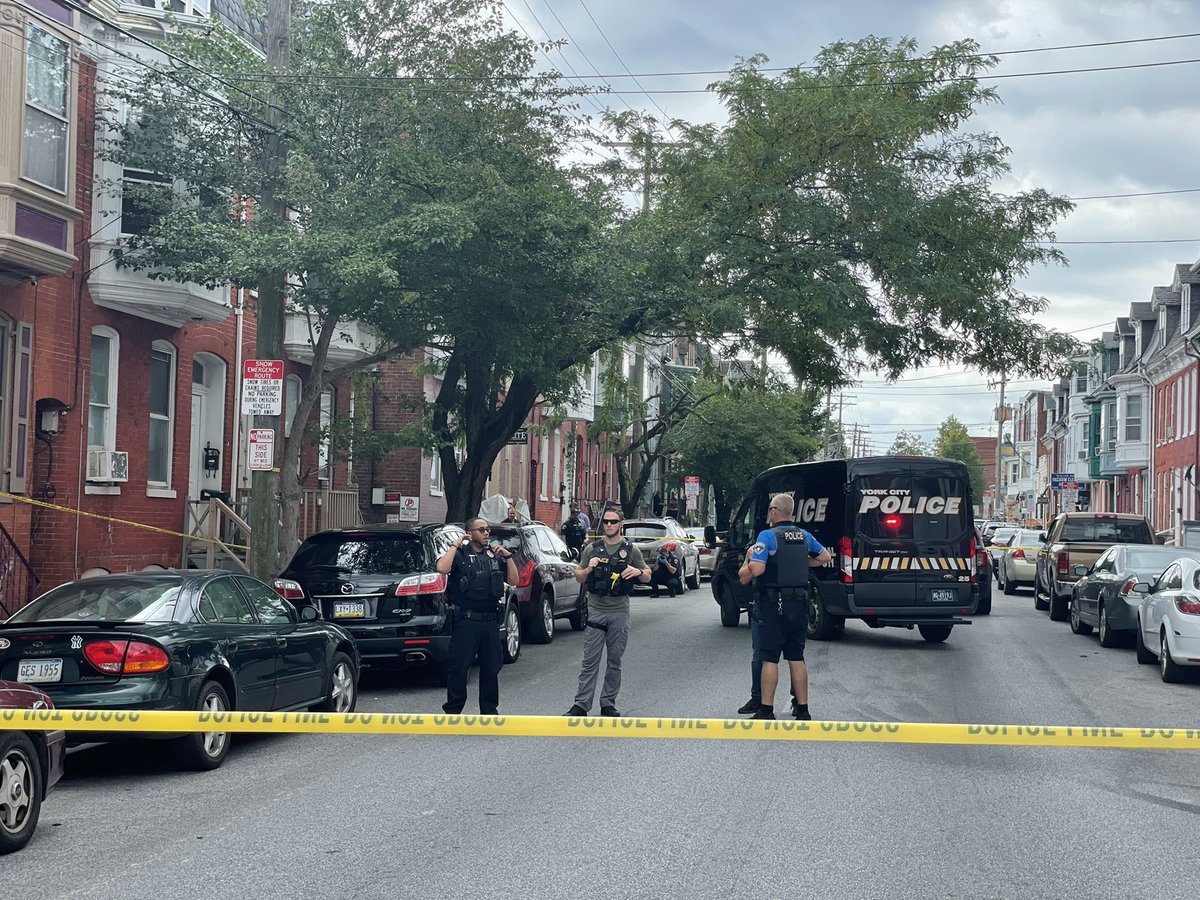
<point x="901" y="501"/>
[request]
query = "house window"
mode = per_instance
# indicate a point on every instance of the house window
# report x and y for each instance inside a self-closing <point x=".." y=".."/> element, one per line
<point x="102" y="389"/>
<point x="545" y="468"/>
<point x="1110" y="426"/>
<point x="325" y="445"/>
<point x="1185" y="309"/>
<point x="145" y="198"/>
<point x="1133" y="417"/>
<point x="180" y="7"/>
<point x="47" y="83"/>
<point x="291" y="399"/>
<point x="436" y="487"/>
<point x="557" y="453"/>
<point x="162" y="413"/>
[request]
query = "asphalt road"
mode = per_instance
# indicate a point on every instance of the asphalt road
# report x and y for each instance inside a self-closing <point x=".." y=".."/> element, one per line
<point x="377" y="816"/>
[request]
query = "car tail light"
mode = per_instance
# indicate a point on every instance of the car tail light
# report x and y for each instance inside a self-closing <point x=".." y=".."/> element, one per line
<point x="1064" y="564"/>
<point x="525" y="576"/>
<point x="1188" y="605"/>
<point x="288" y="589"/>
<point x="1018" y="554"/>
<point x="427" y="583"/>
<point x="705" y="551"/>
<point x="1128" y="586"/>
<point x="142" y="659"/>
<point x="126" y="657"/>
<point x="975" y="561"/>
<point x="846" y="559"/>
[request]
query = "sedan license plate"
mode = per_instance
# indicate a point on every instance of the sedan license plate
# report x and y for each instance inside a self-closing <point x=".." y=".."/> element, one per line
<point x="943" y="596"/>
<point x="349" y="610"/>
<point x="39" y="671"/>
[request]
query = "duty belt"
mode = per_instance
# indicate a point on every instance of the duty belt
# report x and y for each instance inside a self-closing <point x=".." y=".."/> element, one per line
<point x="475" y="615"/>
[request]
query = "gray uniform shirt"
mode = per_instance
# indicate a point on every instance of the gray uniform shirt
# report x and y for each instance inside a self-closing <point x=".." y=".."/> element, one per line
<point x="610" y="602"/>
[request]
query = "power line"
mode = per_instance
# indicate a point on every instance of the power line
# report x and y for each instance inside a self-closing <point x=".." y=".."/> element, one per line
<point x="1136" y="194"/>
<point x="1149" y="241"/>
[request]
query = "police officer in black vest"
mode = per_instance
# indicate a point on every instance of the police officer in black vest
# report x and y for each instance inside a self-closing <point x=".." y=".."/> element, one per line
<point x="778" y="565"/>
<point x="477" y="576"/>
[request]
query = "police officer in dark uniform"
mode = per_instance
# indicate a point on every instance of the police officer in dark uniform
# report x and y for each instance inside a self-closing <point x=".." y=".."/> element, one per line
<point x="477" y="576"/>
<point x="778" y="565"/>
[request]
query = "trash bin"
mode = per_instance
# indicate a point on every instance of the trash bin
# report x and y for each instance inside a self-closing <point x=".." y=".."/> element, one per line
<point x="223" y="496"/>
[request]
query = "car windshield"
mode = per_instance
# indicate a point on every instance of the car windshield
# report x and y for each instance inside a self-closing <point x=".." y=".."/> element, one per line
<point x="107" y="600"/>
<point x="1155" y="558"/>
<point x="366" y="554"/>
<point x="645" y="530"/>
<point x="1106" y="530"/>
<point x="1025" y="539"/>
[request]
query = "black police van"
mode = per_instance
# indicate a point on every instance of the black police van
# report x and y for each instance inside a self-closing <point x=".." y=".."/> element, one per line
<point x="899" y="528"/>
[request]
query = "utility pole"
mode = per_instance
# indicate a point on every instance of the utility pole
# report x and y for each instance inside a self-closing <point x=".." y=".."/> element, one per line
<point x="1001" y="416"/>
<point x="272" y="295"/>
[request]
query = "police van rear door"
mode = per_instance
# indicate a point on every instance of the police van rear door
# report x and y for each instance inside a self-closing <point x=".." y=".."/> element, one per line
<point x="912" y="532"/>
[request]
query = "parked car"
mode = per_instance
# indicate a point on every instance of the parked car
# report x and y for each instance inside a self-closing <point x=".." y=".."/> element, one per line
<point x="998" y="541"/>
<point x="31" y="764"/>
<point x="651" y="535"/>
<point x="1104" y="595"/>
<point x="379" y="583"/>
<point x="1017" y="562"/>
<point x="1168" y="620"/>
<point x="983" y="576"/>
<point x="707" y="554"/>
<point x="546" y="586"/>
<point x="195" y="640"/>
<point x="1077" y="539"/>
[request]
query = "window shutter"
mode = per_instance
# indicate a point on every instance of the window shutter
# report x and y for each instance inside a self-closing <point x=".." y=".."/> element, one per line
<point x="18" y="473"/>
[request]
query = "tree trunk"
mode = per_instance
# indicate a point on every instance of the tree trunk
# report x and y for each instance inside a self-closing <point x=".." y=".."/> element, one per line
<point x="722" y="510"/>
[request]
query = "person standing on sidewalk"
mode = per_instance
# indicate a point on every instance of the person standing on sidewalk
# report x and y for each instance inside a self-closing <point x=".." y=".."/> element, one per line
<point x="477" y="573"/>
<point x="778" y="565"/>
<point x="609" y="566"/>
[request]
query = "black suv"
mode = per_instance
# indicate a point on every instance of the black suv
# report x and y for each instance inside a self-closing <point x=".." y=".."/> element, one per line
<point x="380" y="584"/>
<point x="546" y="586"/>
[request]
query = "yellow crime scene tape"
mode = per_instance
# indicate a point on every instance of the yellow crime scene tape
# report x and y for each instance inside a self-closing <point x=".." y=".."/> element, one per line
<point x="91" y="515"/>
<point x="137" y="721"/>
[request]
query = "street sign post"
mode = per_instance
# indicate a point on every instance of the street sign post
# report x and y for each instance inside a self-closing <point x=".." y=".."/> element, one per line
<point x="260" y="450"/>
<point x="691" y="485"/>
<point x="1058" y="480"/>
<point x="262" y="387"/>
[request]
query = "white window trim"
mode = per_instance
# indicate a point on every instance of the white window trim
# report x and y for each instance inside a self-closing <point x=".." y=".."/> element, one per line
<point x="436" y="486"/>
<point x="325" y="417"/>
<point x="1126" y="424"/>
<point x="544" y="468"/>
<point x="169" y="349"/>
<point x="114" y="362"/>
<point x="557" y="451"/>
<point x="165" y="493"/>
<point x="107" y="490"/>
<point x="64" y="117"/>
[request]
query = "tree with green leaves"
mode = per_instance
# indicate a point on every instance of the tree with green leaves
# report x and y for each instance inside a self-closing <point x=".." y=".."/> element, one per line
<point x="953" y="442"/>
<point x="908" y="443"/>
<point x="743" y="429"/>
<point x="847" y="216"/>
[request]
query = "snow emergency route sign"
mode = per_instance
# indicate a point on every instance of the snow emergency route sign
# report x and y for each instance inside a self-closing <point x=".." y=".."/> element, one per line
<point x="262" y="387"/>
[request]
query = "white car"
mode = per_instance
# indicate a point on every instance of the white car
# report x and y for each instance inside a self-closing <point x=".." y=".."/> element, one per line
<point x="708" y="555"/>
<point x="1168" y="620"/>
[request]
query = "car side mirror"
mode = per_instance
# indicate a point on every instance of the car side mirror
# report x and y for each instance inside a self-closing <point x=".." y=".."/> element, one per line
<point x="1042" y="537"/>
<point x="1081" y="570"/>
<point x="1142" y="587"/>
<point x="710" y="536"/>
<point x="308" y="614"/>
<point x="568" y="554"/>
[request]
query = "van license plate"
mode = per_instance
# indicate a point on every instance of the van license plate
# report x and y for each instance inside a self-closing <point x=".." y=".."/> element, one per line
<point x="39" y="671"/>
<point x="944" y="596"/>
<point x="348" y="610"/>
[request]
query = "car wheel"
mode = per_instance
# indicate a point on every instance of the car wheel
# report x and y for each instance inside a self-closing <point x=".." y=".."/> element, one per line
<point x="1058" y="608"/>
<point x="1108" y="637"/>
<point x="512" y="638"/>
<point x="343" y="687"/>
<point x="1143" y="653"/>
<point x="1171" y="671"/>
<point x="821" y="625"/>
<point x="1009" y="586"/>
<point x="20" y="790"/>
<point x="1078" y="625"/>
<point x="206" y="750"/>
<point x="731" y="614"/>
<point x="1039" y="599"/>
<point x="693" y="580"/>
<point x="578" y="619"/>
<point x="935" y="634"/>
<point x="541" y="628"/>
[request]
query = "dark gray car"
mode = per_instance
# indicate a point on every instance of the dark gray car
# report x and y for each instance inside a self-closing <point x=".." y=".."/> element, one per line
<point x="1104" y="596"/>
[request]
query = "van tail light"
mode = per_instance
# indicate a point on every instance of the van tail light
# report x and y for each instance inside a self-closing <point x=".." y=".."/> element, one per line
<point x="525" y="576"/>
<point x="976" y="563"/>
<point x="846" y="559"/>
<point x="1064" y="564"/>
<point x="1188" y="605"/>
<point x="288" y="589"/>
<point x="1127" y="587"/>
<point x="427" y="583"/>
<point x="126" y="657"/>
<point x="1018" y="554"/>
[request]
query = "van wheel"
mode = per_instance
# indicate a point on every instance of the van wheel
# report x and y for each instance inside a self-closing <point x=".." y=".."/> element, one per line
<point x="821" y="625"/>
<point x="731" y="613"/>
<point x="935" y="634"/>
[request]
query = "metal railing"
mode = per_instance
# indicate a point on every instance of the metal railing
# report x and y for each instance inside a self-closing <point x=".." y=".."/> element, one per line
<point x="18" y="581"/>
<point x="218" y="533"/>
<point x="324" y="509"/>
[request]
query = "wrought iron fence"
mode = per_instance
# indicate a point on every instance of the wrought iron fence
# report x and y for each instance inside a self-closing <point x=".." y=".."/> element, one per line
<point x="18" y="581"/>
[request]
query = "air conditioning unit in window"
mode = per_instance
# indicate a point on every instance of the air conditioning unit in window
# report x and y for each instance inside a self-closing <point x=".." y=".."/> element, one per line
<point x="1082" y="454"/>
<point x="107" y="465"/>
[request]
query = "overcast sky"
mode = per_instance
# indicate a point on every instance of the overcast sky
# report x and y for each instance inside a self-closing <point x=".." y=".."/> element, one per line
<point x="1079" y="134"/>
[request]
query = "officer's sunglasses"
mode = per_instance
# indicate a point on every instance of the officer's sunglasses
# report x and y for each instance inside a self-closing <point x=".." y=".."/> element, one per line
<point x="484" y="528"/>
<point x="611" y="521"/>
